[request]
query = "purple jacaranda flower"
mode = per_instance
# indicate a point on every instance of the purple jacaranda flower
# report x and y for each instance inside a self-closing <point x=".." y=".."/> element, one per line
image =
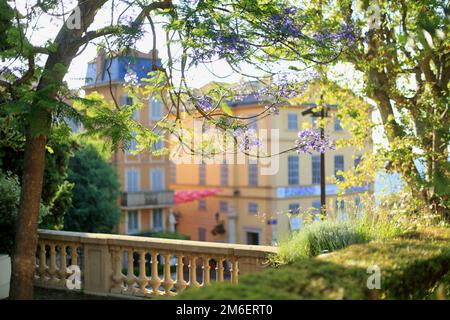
<point x="284" y="87"/>
<point x="347" y="33"/>
<point x="204" y="102"/>
<point x="131" y="77"/>
<point x="285" y="25"/>
<point x="272" y="110"/>
<point x="247" y="139"/>
<point x="309" y="141"/>
<point x="219" y="46"/>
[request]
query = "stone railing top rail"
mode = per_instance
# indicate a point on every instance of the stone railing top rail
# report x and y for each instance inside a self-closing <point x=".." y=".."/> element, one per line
<point x="159" y="244"/>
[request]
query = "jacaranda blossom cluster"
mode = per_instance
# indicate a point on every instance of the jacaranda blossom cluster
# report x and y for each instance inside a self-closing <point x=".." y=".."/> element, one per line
<point x="247" y="139"/>
<point x="131" y="77"/>
<point x="348" y="33"/>
<point x="204" y="102"/>
<point x="309" y="141"/>
<point x="286" y="25"/>
<point x="221" y="45"/>
<point x="287" y="86"/>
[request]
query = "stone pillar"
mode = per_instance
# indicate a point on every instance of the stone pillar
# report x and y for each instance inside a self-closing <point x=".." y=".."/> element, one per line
<point x="97" y="268"/>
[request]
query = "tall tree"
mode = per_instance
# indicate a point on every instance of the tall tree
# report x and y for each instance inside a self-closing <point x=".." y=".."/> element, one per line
<point x="39" y="93"/>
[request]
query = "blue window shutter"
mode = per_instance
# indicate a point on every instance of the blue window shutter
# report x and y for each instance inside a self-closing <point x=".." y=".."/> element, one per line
<point x="157" y="180"/>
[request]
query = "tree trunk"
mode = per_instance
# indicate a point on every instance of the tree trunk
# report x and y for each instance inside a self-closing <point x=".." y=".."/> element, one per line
<point x="67" y="42"/>
<point x="23" y="262"/>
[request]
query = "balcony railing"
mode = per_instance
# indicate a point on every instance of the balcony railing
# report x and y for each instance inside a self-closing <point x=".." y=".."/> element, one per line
<point x="114" y="265"/>
<point x="147" y="198"/>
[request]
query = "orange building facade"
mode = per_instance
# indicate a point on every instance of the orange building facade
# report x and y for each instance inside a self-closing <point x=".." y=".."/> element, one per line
<point x="146" y="199"/>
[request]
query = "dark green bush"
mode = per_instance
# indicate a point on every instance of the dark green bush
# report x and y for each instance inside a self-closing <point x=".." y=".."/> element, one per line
<point x="410" y="266"/>
<point x="163" y="235"/>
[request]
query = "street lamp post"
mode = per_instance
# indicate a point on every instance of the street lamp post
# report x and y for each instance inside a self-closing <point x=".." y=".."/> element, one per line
<point x="322" y="114"/>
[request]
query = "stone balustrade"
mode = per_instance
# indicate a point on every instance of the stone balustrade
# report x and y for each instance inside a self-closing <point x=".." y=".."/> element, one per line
<point x="135" y="266"/>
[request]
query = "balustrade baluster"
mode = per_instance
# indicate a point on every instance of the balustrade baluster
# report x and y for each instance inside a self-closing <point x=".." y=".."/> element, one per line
<point x="117" y="276"/>
<point x="142" y="280"/>
<point x="131" y="279"/>
<point x="234" y="270"/>
<point x="193" y="272"/>
<point x="52" y="267"/>
<point x="74" y="255"/>
<point x="181" y="284"/>
<point x="219" y="269"/>
<point x="63" y="266"/>
<point x="168" y="281"/>
<point x="155" y="281"/>
<point x="206" y="268"/>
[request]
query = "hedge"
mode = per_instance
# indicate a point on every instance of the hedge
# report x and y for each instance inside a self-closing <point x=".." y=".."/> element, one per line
<point x="411" y="267"/>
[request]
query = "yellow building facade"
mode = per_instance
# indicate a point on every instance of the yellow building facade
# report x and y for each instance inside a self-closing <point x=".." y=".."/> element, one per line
<point x="256" y="198"/>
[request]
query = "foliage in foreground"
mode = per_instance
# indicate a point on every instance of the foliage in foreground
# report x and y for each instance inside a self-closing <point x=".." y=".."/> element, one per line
<point x="411" y="266"/>
<point x="9" y="210"/>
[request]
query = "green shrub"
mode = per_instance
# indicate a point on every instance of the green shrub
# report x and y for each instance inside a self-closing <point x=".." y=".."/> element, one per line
<point x="163" y="235"/>
<point x="410" y="266"/>
<point x="9" y="211"/>
<point x="319" y="237"/>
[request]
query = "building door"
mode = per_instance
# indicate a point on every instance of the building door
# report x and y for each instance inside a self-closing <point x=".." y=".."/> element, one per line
<point x="252" y="238"/>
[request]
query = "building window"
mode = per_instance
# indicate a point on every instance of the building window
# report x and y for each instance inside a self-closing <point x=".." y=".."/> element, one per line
<point x="337" y="125"/>
<point x="252" y="123"/>
<point x="156" y="109"/>
<point x="224" y="173"/>
<point x="201" y="234"/>
<point x="252" y="174"/>
<point x="292" y="121"/>
<point x="252" y="208"/>
<point x="202" y="204"/>
<point x="315" y="160"/>
<point x="132" y="180"/>
<point x="126" y="100"/>
<point x="157" y="179"/>
<point x="157" y="219"/>
<point x="133" y="221"/>
<point x="202" y="173"/>
<point x="158" y="145"/>
<point x="132" y="145"/>
<point x="223" y="206"/>
<point x="314" y="121"/>
<point x="293" y="174"/>
<point x="317" y="208"/>
<point x="294" y="208"/>
<point x="173" y="172"/>
<point x="338" y="166"/>
<point x="136" y="115"/>
<point x="357" y="201"/>
<point x="252" y="238"/>
<point x="357" y="160"/>
<point x="339" y="205"/>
